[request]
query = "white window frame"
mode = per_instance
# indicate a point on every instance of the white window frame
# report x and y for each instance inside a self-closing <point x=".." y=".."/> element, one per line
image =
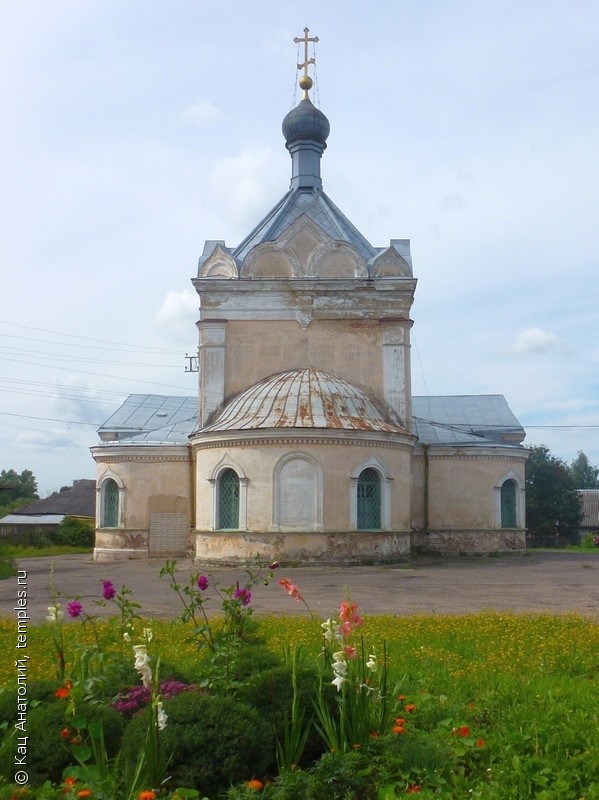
<point x="227" y="463"/>
<point x="520" y="499"/>
<point x="374" y="462"/>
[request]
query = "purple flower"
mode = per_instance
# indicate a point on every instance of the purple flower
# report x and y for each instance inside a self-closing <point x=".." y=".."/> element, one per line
<point x="108" y="590"/>
<point x="202" y="583"/>
<point x="243" y="595"/>
<point x="74" y="608"/>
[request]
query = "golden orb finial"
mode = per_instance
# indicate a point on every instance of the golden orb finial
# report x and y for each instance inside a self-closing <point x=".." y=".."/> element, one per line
<point x="306" y="83"/>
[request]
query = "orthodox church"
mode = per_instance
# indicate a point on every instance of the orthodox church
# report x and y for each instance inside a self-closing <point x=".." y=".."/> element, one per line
<point x="305" y="443"/>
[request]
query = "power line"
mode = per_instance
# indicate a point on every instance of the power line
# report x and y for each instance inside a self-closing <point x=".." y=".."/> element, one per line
<point x="124" y="349"/>
<point x="51" y="419"/>
<point x="87" y="338"/>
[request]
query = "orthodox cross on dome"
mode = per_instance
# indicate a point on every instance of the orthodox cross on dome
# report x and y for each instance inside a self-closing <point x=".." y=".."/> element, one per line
<point x="305" y="81"/>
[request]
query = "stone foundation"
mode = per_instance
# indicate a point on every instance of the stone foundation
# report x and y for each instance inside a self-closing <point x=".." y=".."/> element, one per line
<point x="119" y="544"/>
<point x="495" y="540"/>
<point x="304" y="548"/>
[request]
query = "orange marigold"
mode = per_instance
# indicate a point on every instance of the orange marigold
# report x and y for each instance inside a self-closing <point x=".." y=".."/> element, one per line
<point x="65" y="733"/>
<point x="255" y="785"/>
<point x="83" y="793"/>
<point x="413" y="788"/>
<point x="409" y="708"/>
<point x="69" y="781"/>
<point x="63" y="692"/>
<point x="146" y="794"/>
<point x="398" y="729"/>
<point x="463" y="730"/>
<point x="480" y="742"/>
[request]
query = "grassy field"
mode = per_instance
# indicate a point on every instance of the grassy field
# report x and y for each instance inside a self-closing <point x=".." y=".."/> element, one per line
<point x="525" y="687"/>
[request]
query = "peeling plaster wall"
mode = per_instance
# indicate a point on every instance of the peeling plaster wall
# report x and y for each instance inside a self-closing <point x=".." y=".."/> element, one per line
<point x="306" y="548"/>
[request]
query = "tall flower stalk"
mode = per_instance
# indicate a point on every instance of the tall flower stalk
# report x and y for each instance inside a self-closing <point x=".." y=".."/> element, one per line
<point x="222" y="635"/>
<point x="362" y="707"/>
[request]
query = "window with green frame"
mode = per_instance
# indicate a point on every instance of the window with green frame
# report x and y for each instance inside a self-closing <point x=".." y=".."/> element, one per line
<point x="508" y="504"/>
<point x="109" y="516"/>
<point x="369" y="500"/>
<point x="228" y="500"/>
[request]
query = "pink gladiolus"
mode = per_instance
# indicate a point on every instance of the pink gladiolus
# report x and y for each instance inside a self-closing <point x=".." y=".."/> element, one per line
<point x="290" y="588"/>
<point x="350" y="651"/>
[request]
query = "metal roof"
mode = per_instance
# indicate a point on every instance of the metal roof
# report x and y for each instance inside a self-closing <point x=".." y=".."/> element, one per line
<point x="304" y="398"/>
<point x="321" y="210"/>
<point x="467" y="419"/>
<point x="440" y="420"/>
<point x="34" y="519"/>
<point x="152" y="418"/>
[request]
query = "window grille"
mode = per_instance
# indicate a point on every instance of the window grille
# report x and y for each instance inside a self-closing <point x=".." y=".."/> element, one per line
<point x="110" y="511"/>
<point x="369" y="500"/>
<point x="508" y="504"/>
<point x="228" y="500"/>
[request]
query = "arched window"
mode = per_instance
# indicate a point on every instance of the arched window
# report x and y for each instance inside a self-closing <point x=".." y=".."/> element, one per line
<point x="369" y="500"/>
<point x="228" y="500"/>
<point x="509" y="517"/>
<point x="109" y="509"/>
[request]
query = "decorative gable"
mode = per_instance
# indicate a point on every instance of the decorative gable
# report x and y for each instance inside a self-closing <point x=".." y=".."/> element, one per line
<point x="389" y="263"/>
<point x="220" y="264"/>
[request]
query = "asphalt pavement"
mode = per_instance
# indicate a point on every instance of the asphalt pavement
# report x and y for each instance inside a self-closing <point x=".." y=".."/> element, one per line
<point x="558" y="582"/>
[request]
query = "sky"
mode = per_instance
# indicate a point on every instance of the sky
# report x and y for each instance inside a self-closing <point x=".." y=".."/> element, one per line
<point x="133" y="131"/>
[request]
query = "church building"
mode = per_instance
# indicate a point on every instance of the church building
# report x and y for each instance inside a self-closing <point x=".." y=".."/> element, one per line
<point x="304" y="442"/>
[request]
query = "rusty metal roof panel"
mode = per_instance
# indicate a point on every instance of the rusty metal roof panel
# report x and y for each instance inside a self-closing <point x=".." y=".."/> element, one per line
<point x="304" y="398"/>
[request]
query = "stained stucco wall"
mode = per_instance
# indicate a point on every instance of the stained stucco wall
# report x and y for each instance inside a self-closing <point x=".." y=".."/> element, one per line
<point x="350" y="349"/>
<point x="462" y="492"/>
<point x="152" y="478"/>
<point x="334" y="466"/>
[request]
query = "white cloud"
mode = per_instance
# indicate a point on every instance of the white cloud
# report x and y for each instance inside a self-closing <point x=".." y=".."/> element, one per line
<point x="247" y="185"/>
<point x="178" y="313"/>
<point x="535" y="341"/>
<point x="202" y="113"/>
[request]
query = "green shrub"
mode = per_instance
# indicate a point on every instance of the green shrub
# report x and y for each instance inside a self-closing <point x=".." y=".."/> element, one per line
<point x="47" y="750"/>
<point x="271" y="694"/>
<point x="213" y="740"/>
<point x="74" y="532"/>
<point x="7" y="568"/>
<point x="36" y="692"/>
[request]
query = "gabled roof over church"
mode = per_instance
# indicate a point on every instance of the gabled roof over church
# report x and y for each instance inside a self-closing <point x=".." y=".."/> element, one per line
<point x="439" y="420"/>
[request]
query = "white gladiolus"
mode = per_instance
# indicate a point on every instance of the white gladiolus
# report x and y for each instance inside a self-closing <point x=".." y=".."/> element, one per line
<point x="54" y="613"/>
<point x="371" y="663"/>
<point x="338" y="681"/>
<point x="142" y="664"/>
<point x="161" y="716"/>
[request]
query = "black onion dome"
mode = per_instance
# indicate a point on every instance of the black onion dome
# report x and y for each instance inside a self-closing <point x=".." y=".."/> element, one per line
<point x="306" y="122"/>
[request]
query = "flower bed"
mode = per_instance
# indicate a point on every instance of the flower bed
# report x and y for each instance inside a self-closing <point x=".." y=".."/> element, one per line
<point x="489" y="705"/>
